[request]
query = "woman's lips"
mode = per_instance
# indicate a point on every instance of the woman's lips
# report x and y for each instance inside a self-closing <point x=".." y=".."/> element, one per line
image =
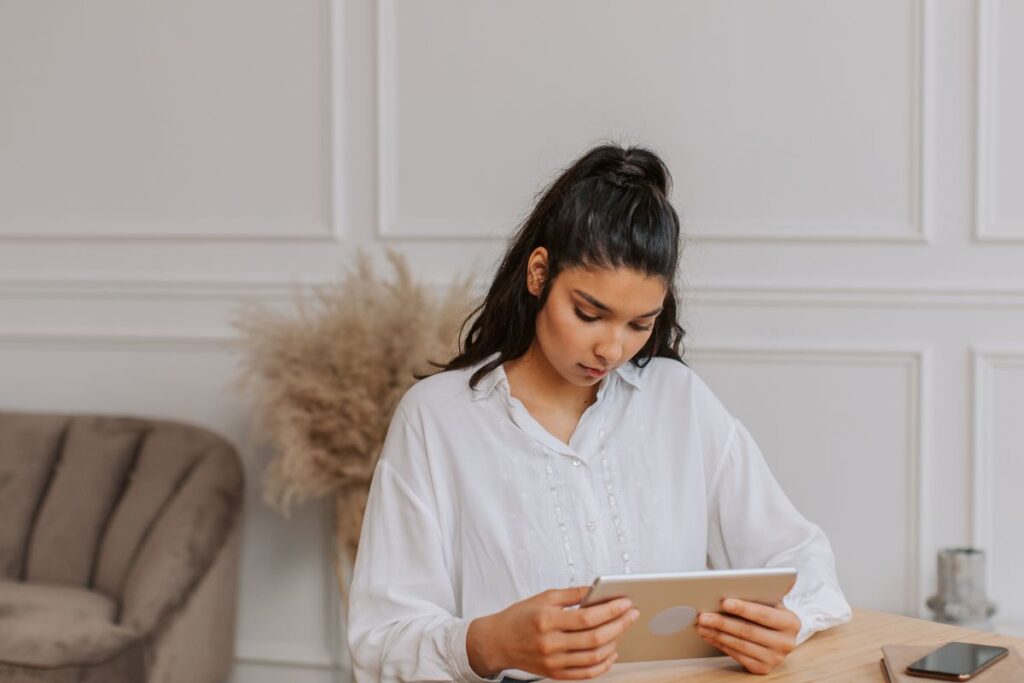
<point x="593" y="372"/>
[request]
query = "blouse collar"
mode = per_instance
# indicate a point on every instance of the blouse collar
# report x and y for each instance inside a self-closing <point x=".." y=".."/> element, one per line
<point x="627" y="372"/>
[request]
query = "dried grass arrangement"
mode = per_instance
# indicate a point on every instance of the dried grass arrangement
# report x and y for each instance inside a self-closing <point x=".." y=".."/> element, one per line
<point x="327" y="377"/>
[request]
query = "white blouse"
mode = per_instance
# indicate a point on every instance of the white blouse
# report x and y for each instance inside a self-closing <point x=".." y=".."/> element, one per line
<point x="474" y="506"/>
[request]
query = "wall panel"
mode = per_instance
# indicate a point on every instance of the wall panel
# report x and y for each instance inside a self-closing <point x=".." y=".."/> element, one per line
<point x="840" y="430"/>
<point x="827" y="148"/>
<point x="1000" y="161"/>
<point x="998" y="471"/>
<point x="165" y="120"/>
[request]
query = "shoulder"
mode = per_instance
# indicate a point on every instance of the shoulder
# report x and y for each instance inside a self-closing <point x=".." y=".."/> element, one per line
<point x="430" y="406"/>
<point x="678" y="394"/>
<point x="442" y="391"/>
<point x="669" y="378"/>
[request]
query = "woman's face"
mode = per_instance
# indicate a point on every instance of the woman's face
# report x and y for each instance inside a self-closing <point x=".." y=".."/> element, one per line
<point x="594" y="320"/>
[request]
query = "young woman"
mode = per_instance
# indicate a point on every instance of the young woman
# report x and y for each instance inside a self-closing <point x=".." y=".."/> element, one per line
<point x="568" y="440"/>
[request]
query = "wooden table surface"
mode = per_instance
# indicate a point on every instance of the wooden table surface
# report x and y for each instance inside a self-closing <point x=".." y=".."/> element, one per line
<point x="845" y="653"/>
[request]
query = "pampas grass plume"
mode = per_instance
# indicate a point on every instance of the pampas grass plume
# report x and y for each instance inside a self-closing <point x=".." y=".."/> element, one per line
<point x="327" y="377"/>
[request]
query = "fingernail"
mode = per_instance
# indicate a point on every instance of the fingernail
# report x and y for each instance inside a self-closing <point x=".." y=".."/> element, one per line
<point x="729" y="604"/>
<point x="634" y="614"/>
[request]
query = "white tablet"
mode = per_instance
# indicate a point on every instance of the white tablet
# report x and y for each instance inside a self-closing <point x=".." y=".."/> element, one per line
<point x="670" y="603"/>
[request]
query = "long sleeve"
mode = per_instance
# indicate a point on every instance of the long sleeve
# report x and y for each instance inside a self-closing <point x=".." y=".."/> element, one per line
<point x="751" y="523"/>
<point x="402" y="623"/>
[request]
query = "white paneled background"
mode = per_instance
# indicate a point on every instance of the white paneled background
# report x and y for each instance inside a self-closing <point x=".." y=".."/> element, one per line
<point x="849" y="174"/>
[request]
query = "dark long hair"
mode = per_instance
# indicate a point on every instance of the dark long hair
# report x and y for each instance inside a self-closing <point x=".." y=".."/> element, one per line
<point x="609" y="209"/>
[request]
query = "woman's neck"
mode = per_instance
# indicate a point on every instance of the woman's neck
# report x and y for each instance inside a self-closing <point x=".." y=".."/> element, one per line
<point x="534" y="381"/>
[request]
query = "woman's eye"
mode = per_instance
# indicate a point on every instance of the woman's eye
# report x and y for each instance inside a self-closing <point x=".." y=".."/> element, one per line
<point x="589" y="319"/>
<point x="583" y="317"/>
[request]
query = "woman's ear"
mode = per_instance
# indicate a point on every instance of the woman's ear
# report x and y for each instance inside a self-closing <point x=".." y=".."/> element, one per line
<point x="537" y="270"/>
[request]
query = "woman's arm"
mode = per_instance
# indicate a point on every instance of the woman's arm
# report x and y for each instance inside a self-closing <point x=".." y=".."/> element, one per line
<point x="751" y="523"/>
<point x="401" y="617"/>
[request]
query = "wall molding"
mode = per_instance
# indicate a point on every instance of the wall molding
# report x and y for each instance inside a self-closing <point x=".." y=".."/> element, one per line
<point x="985" y="360"/>
<point x="916" y="361"/>
<point x="858" y="296"/>
<point x="845" y="296"/>
<point x="58" y="339"/>
<point x="987" y="226"/>
<point x="174" y="290"/>
<point x="916" y="230"/>
<point x="207" y="230"/>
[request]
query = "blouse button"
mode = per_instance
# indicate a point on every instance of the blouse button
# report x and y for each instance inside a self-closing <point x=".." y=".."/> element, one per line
<point x="625" y="557"/>
<point x="591" y="525"/>
<point x="576" y="462"/>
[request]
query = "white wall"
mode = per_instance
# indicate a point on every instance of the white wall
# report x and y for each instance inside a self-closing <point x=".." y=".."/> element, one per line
<point x="849" y="176"/>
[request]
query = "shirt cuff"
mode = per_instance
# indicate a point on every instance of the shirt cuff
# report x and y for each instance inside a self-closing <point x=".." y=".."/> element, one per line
<point x="815" y="616"/>
<point x="458" y="655"/>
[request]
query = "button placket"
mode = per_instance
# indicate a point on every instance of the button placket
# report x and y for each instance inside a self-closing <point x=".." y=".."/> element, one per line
<point x="613" y="505"/>
<point x="560" y="515"/>
<point x="593" y="548"/>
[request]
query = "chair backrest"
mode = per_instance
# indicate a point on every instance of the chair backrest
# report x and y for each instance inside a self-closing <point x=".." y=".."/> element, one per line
<point x="79" y="494"/>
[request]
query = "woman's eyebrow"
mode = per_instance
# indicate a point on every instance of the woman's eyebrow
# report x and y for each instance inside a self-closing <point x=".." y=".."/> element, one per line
<point x="600" y="306"/>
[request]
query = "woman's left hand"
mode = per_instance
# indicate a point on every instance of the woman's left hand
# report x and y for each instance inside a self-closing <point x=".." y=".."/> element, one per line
<point x="759" y="637"/>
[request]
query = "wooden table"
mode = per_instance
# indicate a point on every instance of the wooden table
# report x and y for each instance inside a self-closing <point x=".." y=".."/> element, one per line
<point x="846" y="653"/>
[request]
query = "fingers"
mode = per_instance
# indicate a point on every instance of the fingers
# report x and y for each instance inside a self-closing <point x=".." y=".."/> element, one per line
<point x="758" y="648"/>
<point x="576" y="674"/>
<point x="780" y="641"/>
<point x="580" y="643"/>
<point x="777" y="618"/>
<point x="592" y="638"/>
<point x="564" y="597"/>
<point x="593" y="616"/>
<point x="745" y="647"/>
<point x="584" y="658"/>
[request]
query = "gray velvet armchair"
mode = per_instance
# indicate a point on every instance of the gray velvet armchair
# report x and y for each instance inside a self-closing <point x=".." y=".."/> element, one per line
<point x="119" y="545"/>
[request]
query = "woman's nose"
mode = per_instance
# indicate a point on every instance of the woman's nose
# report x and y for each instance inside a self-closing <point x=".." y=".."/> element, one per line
<point x="609" y="349"/>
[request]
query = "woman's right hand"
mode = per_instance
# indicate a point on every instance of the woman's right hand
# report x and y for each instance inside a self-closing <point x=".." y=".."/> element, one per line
<point x="540" y="636"/>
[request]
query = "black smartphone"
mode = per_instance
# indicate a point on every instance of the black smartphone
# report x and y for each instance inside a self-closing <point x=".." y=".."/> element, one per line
<point x="957" y="661"/>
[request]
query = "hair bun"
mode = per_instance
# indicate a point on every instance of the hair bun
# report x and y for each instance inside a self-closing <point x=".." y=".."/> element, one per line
<point x="628" y="167"/>
<point x="640" y="166"/>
